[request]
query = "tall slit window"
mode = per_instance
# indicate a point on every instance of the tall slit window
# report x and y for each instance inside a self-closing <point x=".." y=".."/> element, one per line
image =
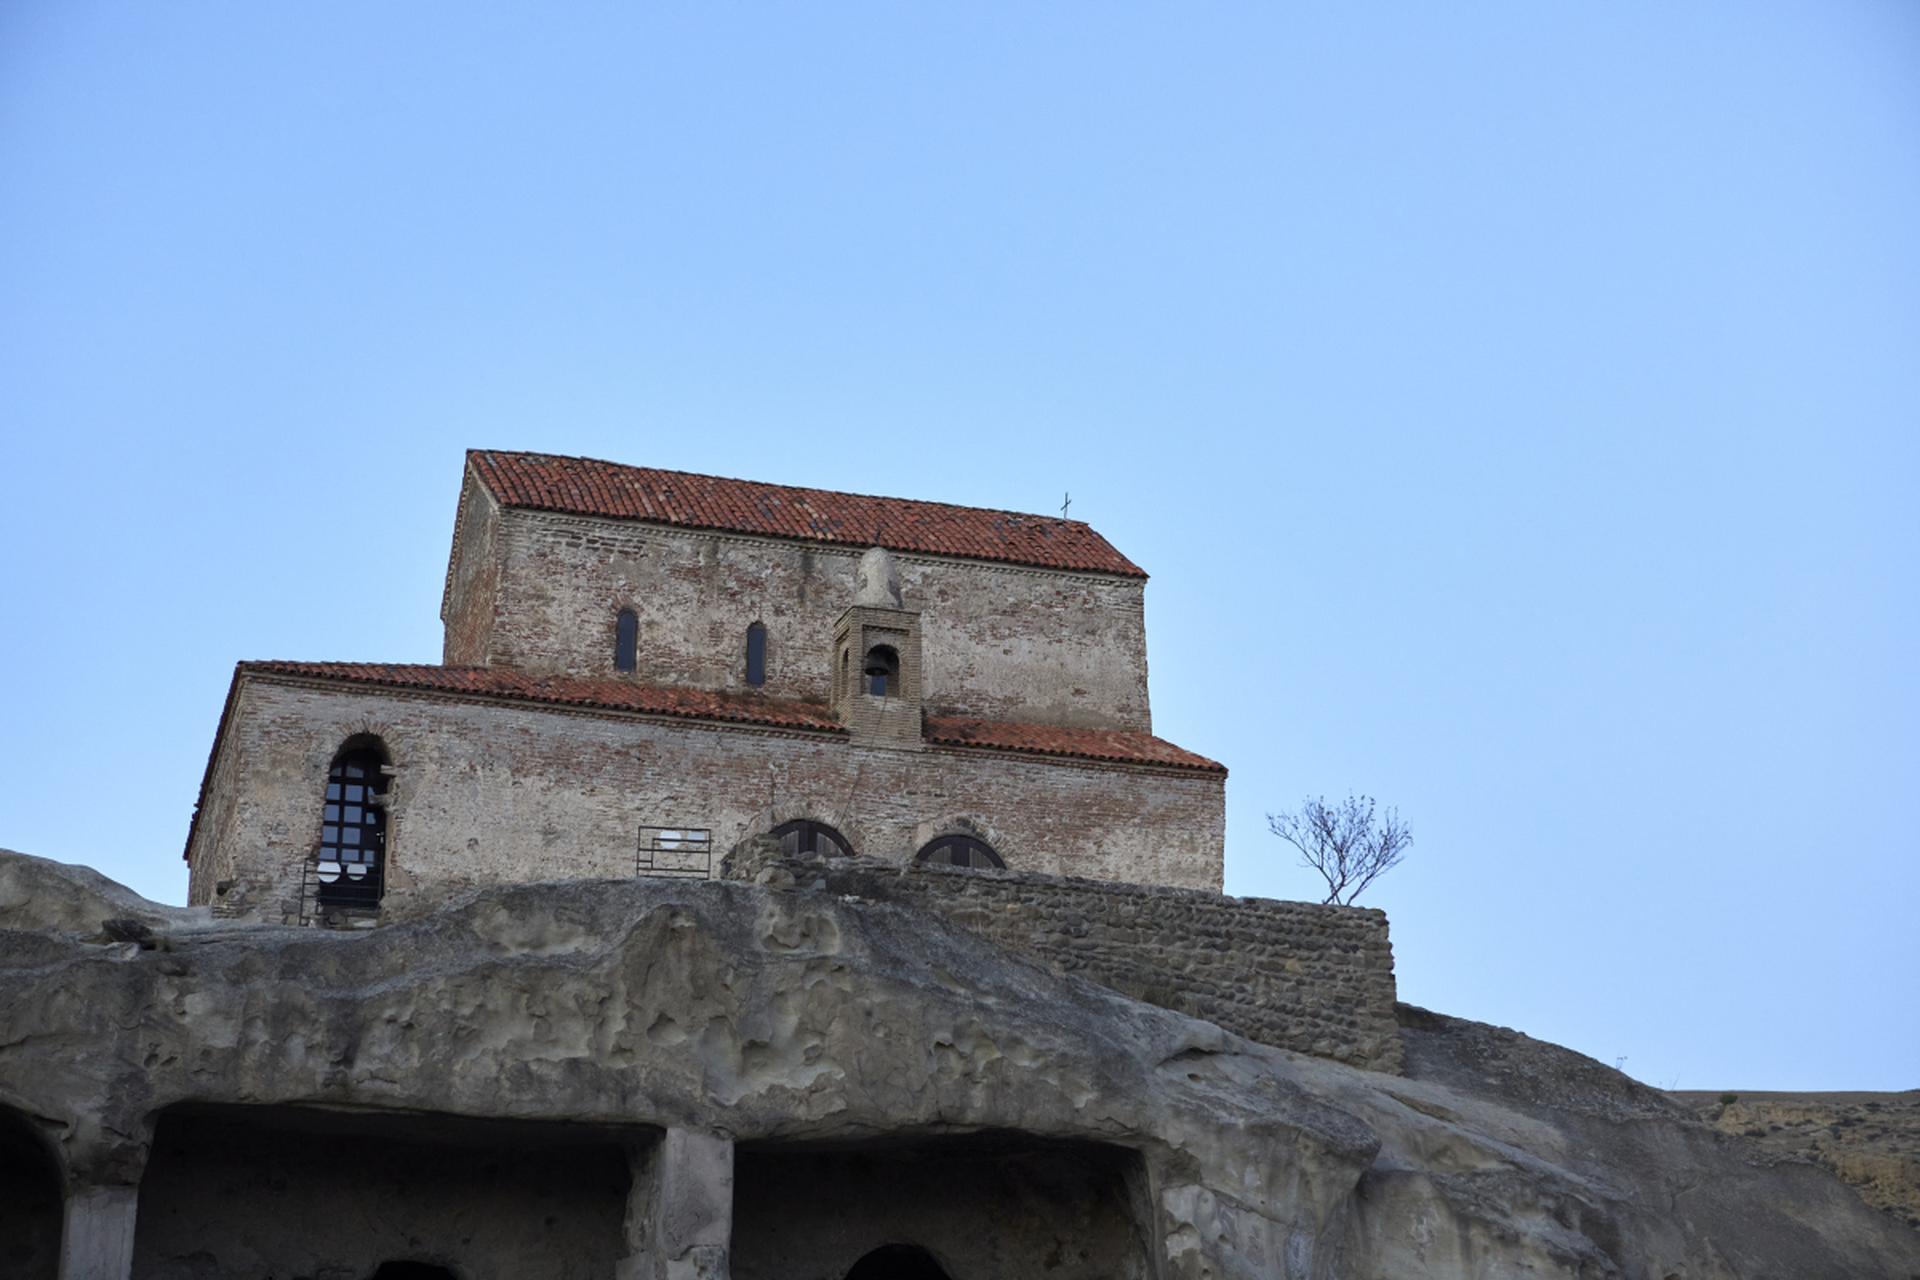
<point x="353" y="831"/>
<point x="626" y="638"/>
<point x="756" y="654"/>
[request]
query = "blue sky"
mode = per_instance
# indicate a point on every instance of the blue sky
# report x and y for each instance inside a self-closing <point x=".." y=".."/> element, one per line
<point x="1517" y="405"/>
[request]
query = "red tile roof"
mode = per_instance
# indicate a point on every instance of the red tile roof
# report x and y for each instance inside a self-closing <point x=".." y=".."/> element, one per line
<point x="700" y="704"/>
<point x="584" y="486"/>
<point x="608" y="695"/>
<point x="1052" y="740"/>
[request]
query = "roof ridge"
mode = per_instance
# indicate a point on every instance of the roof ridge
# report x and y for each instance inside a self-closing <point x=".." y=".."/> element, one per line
<point x="776" y="484"/>
<point x="687" y="499"/>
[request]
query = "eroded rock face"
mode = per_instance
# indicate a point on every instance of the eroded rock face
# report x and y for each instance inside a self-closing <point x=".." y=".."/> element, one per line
<point x="1871" y="1141"/>
<point x="800" y="1023"/>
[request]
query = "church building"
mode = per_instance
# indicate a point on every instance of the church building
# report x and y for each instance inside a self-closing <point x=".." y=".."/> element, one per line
<point x="643" y="669"/>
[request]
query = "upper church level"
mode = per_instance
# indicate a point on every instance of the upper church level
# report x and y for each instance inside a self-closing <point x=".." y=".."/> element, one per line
<point x="593" y="570"/>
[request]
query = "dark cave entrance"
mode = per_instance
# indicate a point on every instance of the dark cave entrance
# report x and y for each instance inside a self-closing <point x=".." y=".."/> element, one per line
<point x="934" y="1208"/>
<point x="897" y="1262"/>
<point x="412" y="1271"/>
<point x="31" y="1203"/>
<point x="388" y="1196"/>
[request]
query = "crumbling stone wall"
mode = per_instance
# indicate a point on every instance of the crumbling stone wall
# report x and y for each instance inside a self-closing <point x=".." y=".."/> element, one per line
<point x="1002" y="642"/>
<point x="1315" y="979"/>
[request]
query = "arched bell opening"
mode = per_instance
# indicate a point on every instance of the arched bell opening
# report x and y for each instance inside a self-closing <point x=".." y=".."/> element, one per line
<point x="897" y="1262"/>
<point x="881" y="668"/>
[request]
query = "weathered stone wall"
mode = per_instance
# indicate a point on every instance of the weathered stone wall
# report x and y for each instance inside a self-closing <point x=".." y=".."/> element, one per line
<point x="1302" y="976"/>
<point x="218" y="826"/>
<point x="473" y="579"/>
<point x="490" y="792"/>
<point x="1002" y="642"/>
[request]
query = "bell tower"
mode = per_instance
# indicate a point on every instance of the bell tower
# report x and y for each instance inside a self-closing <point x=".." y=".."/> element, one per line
<point x="877" y="689"/>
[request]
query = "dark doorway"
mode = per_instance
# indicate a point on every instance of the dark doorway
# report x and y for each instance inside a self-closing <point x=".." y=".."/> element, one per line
<point x="286" y="1191"/>
<point x="30" y="1202"/>
<point x="897" y="1262"/>
<point x="926" y="1208"/>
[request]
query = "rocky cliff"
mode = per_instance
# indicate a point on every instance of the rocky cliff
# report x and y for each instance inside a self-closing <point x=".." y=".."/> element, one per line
<point x="833" y="1043"/>
<point x="1870" y="1141"/>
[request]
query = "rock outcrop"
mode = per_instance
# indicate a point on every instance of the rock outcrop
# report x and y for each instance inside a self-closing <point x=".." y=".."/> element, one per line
<point x="827" y="1039"/>
<point x="1870" y="1141"/>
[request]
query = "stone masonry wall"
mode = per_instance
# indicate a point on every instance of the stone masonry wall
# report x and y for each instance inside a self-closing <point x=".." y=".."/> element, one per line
<point x="491" y="792"/>
<point x="1001" y="642"/>
<point x="1302" y="976"/>
<point x="473" y="579"/>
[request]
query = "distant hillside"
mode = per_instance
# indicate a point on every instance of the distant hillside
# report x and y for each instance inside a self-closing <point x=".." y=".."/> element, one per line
<point x="1870" y="1140"/>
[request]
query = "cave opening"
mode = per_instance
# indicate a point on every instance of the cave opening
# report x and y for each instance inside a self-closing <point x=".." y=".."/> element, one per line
<point x="897" y="1262"/>
<point x="928" y="1208"/>
<point x="303" y="1191"/>
<point x="31" y="1203"/>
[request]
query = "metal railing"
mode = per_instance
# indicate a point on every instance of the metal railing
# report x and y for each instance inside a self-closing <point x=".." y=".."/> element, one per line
<point x="680" y="852"/>
<point x="327" y="889"/>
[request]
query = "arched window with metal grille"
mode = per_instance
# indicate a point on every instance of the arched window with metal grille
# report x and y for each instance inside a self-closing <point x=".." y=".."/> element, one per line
<point x="353" y="829"/>
<point x="960" y="851"/>
<point x="804" y="836"/>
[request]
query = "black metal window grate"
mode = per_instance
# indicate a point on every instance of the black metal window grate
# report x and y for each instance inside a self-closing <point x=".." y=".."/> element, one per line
<point x="676" y="852"/>
<point x="353" y="835"/>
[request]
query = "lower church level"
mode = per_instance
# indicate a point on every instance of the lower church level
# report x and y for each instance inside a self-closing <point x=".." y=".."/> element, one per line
<point x="344" y="792"/>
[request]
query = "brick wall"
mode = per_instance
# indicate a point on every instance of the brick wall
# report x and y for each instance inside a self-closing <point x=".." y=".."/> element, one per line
<point x="1001" y="642"/>
<point x="473" y="580"/>
<point x="490" y="791"/>
<point x="1295" y="975"/>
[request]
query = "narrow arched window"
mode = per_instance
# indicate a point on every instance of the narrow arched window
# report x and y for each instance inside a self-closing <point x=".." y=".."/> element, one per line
<point x="882" y="670"/>
<point x="756" y="654"/>
<point x="960" y="851"/>
<point x="353" y="831"/>
<point x="626" y="637"/>
<point x="805" y="836"/>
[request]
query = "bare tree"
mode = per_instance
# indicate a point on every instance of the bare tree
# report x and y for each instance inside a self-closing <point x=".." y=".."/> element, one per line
<point x="1341" y="842"/>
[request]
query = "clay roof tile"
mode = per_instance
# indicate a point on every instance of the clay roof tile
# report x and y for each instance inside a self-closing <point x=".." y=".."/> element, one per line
<point x="701" y="704"/>
<point x="586" y="486"/>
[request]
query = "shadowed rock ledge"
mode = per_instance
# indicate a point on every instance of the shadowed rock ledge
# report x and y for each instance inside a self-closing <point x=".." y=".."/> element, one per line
<point x="797" y="1024"/>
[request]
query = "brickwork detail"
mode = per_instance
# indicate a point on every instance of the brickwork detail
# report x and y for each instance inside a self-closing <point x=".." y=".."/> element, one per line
<point x="540" y="592"/>
<point x="1302" y="976"/>
<point x="490" y="791"/>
